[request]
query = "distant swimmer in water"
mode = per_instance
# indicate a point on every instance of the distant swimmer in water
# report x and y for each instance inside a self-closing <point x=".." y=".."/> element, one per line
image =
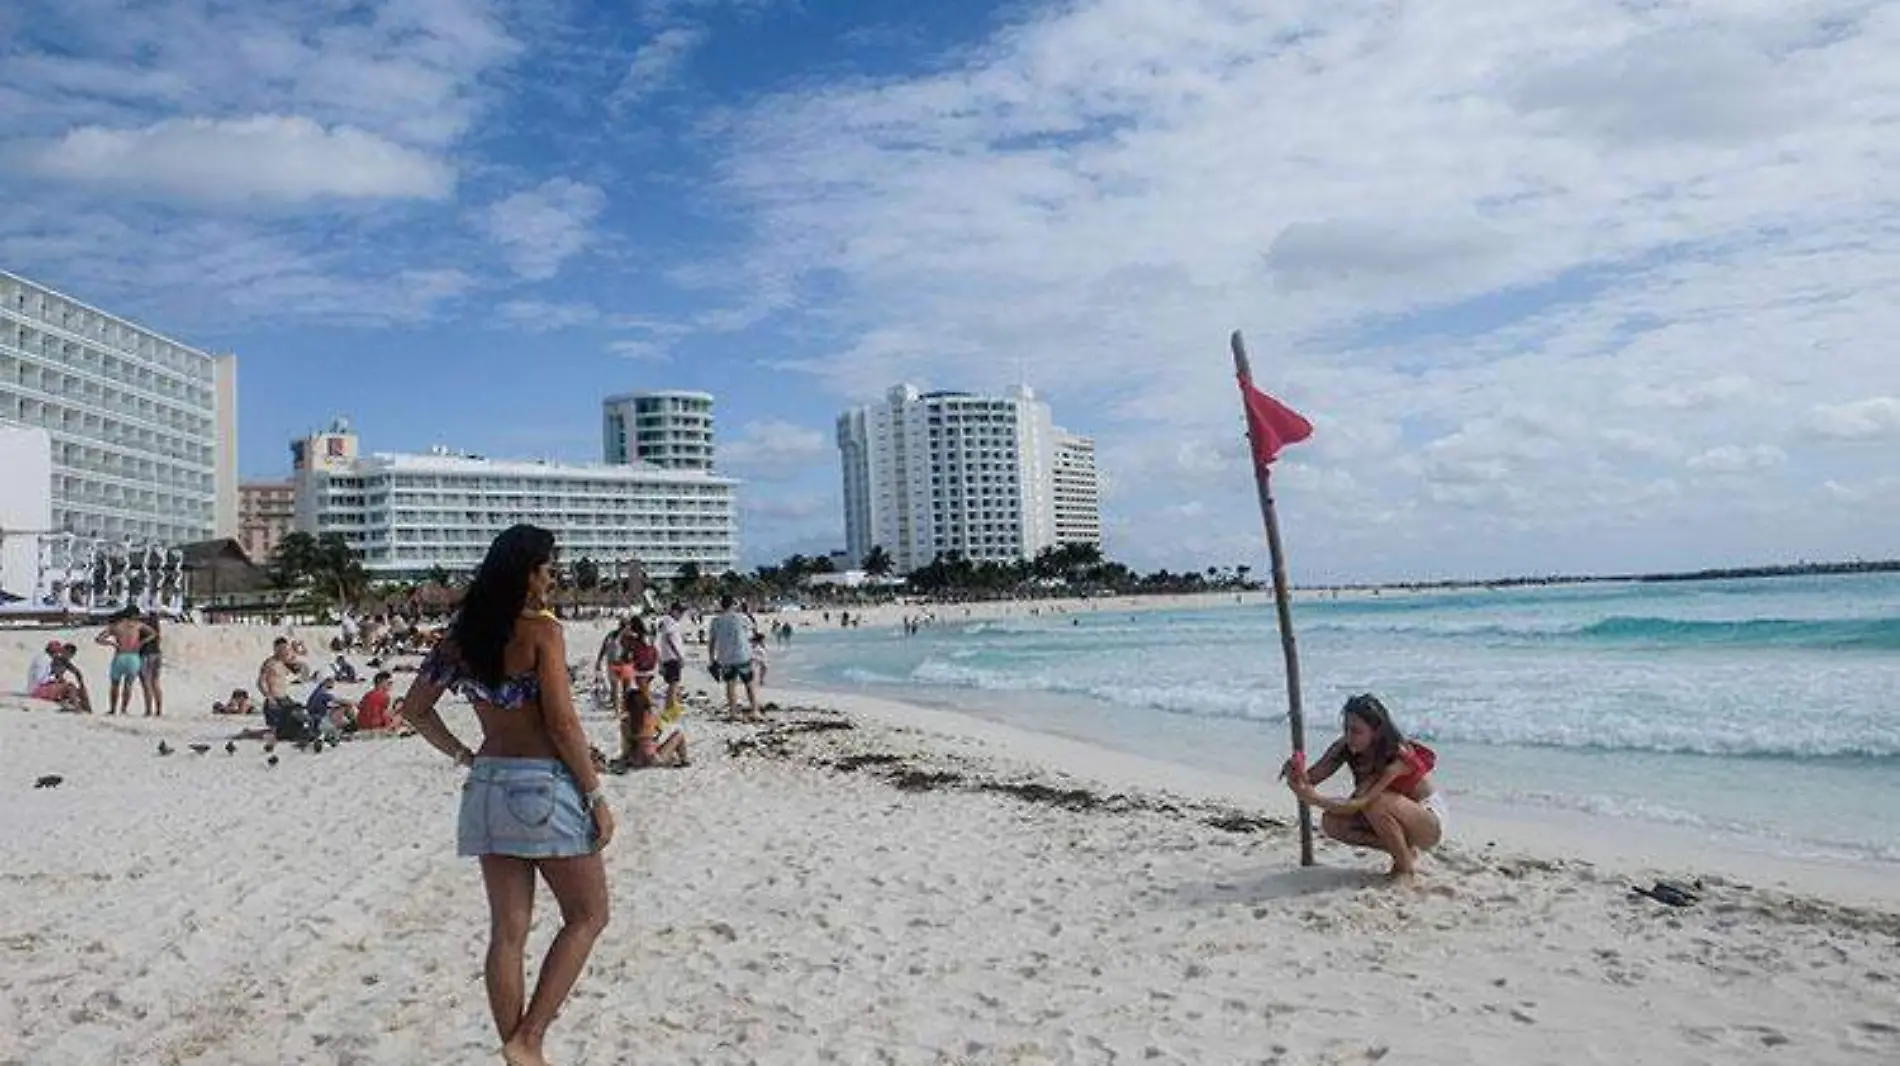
<point x="1394" y="806"/>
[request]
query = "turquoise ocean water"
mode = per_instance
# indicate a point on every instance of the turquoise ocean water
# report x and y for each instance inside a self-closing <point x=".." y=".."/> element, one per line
<point x="1763" y="710"/>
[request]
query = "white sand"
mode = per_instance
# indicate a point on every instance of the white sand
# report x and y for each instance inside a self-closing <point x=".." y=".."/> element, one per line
<point x="210" y="909"/>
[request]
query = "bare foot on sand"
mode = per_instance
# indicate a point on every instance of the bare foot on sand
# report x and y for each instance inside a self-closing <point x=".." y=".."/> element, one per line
<point x="519" y="1053"/>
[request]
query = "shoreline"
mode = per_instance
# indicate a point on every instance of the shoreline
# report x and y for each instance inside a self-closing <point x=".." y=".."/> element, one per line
<point x="1637" y="849"/>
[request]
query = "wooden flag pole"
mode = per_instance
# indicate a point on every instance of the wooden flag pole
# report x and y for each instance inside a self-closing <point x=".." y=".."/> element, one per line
<point x="1282" y="602"/>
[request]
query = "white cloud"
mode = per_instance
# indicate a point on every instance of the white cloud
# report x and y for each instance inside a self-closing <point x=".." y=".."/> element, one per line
<point x="538" y="229"/>
<point x="1875" y="418"/>
<point x="1730" y="459"/>
<point x="1689" y="395"/>
<point x="221" y="163"/>
<point x="260" y="159"/>
<point x="1861" y="494"/>
<point x="1551" y="251"/>
<point x="773" y="448"/>
<point x="639" y="350"/>
<point x="407" y="70"/>
<point x="656" y="64"/>
<point x="545" y="316"/>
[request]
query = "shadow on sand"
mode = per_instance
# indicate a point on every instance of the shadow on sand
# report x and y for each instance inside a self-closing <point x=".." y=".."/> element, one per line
<point x="1282" y="884"/>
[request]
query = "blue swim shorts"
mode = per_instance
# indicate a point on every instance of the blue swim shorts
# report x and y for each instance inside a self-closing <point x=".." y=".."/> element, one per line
<point x="527" y="808"/>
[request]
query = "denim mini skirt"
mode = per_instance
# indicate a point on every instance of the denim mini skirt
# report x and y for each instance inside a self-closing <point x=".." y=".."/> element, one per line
<point x="526" y="808"/>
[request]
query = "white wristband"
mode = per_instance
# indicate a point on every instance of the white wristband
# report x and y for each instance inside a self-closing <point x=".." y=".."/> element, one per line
<point x="596" y="798"/>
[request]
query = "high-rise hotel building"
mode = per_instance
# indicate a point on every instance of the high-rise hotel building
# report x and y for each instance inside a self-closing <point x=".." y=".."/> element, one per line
<point x="1078" y="491"/>
<point x="990" y="479"/>
<point x="673" y="430"/>
<point x="411" y="513"/>
<point x="143" y="428"/>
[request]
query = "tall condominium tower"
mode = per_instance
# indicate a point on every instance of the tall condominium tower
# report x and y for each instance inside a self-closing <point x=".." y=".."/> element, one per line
<point x="929" y="474"/>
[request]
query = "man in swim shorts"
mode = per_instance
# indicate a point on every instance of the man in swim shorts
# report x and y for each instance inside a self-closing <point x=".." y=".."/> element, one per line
<point x="125" y="634"/>
<point x="730" y="653"/>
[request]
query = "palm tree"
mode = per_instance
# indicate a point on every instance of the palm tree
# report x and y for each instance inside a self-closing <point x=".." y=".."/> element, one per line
<point x="294" y="560"/>
<point x="877" y="562"/>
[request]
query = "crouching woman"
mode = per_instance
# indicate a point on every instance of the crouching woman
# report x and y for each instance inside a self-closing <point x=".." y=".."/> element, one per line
<point x="1394" y="805"/>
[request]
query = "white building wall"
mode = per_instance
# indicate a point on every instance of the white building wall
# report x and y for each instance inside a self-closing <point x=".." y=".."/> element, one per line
<point x="224" y="513"/>
<point x="1036" y="445"/>
<point x="143" y="435"/>
<point x="26" y="505"/>
<point x="409" y="514"/>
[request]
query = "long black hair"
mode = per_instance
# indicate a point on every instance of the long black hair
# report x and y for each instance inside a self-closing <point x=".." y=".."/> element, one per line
<point x="496" y="598"/>
<point x="1386" y="738"/>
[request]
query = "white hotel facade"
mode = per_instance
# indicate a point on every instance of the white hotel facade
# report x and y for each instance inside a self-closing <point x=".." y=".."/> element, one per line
<point x="143" y="429"/>
<point x="410" y="513"/>
<point x="988" y="478"/>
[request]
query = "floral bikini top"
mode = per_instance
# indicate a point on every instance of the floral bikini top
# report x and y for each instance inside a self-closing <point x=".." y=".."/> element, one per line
<point x="448" y="671"/>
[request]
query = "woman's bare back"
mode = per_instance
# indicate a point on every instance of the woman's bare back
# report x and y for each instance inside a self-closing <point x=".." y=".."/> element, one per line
<point x="520" y="732"/>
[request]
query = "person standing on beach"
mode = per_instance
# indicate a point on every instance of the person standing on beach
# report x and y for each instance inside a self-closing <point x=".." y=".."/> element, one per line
<point x="125" y="635"/>
<point x="729" y="653"/>
<point x="612" y="656"/>
<point x="672" y="651"/>
<point x="151" y="663"/>
<point x="533" y="802"/>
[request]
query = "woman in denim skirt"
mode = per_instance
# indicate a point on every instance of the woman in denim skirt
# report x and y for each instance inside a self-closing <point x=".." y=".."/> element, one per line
<point x="532" y="802"/>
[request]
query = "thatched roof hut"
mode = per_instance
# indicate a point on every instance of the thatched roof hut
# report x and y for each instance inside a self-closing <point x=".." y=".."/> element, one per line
<point x="216" y="568"/>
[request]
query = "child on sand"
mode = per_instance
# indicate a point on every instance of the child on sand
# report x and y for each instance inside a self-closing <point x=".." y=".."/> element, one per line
<point x="758" y="659"/>
<point x="239" y="703"/>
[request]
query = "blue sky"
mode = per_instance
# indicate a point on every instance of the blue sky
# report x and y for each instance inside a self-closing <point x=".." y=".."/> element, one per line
<point x="1564" y="286"/>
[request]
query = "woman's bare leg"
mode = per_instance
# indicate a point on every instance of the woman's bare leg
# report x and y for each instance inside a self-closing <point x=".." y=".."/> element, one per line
<point x="1346" y="829"/>
<point x="510" y="884"/>
<point x="580" y="887"/>
<point x="1402" y="827"/>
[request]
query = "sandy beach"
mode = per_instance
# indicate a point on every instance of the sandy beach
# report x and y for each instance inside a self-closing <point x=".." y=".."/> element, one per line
<point x="862" y="882"/>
